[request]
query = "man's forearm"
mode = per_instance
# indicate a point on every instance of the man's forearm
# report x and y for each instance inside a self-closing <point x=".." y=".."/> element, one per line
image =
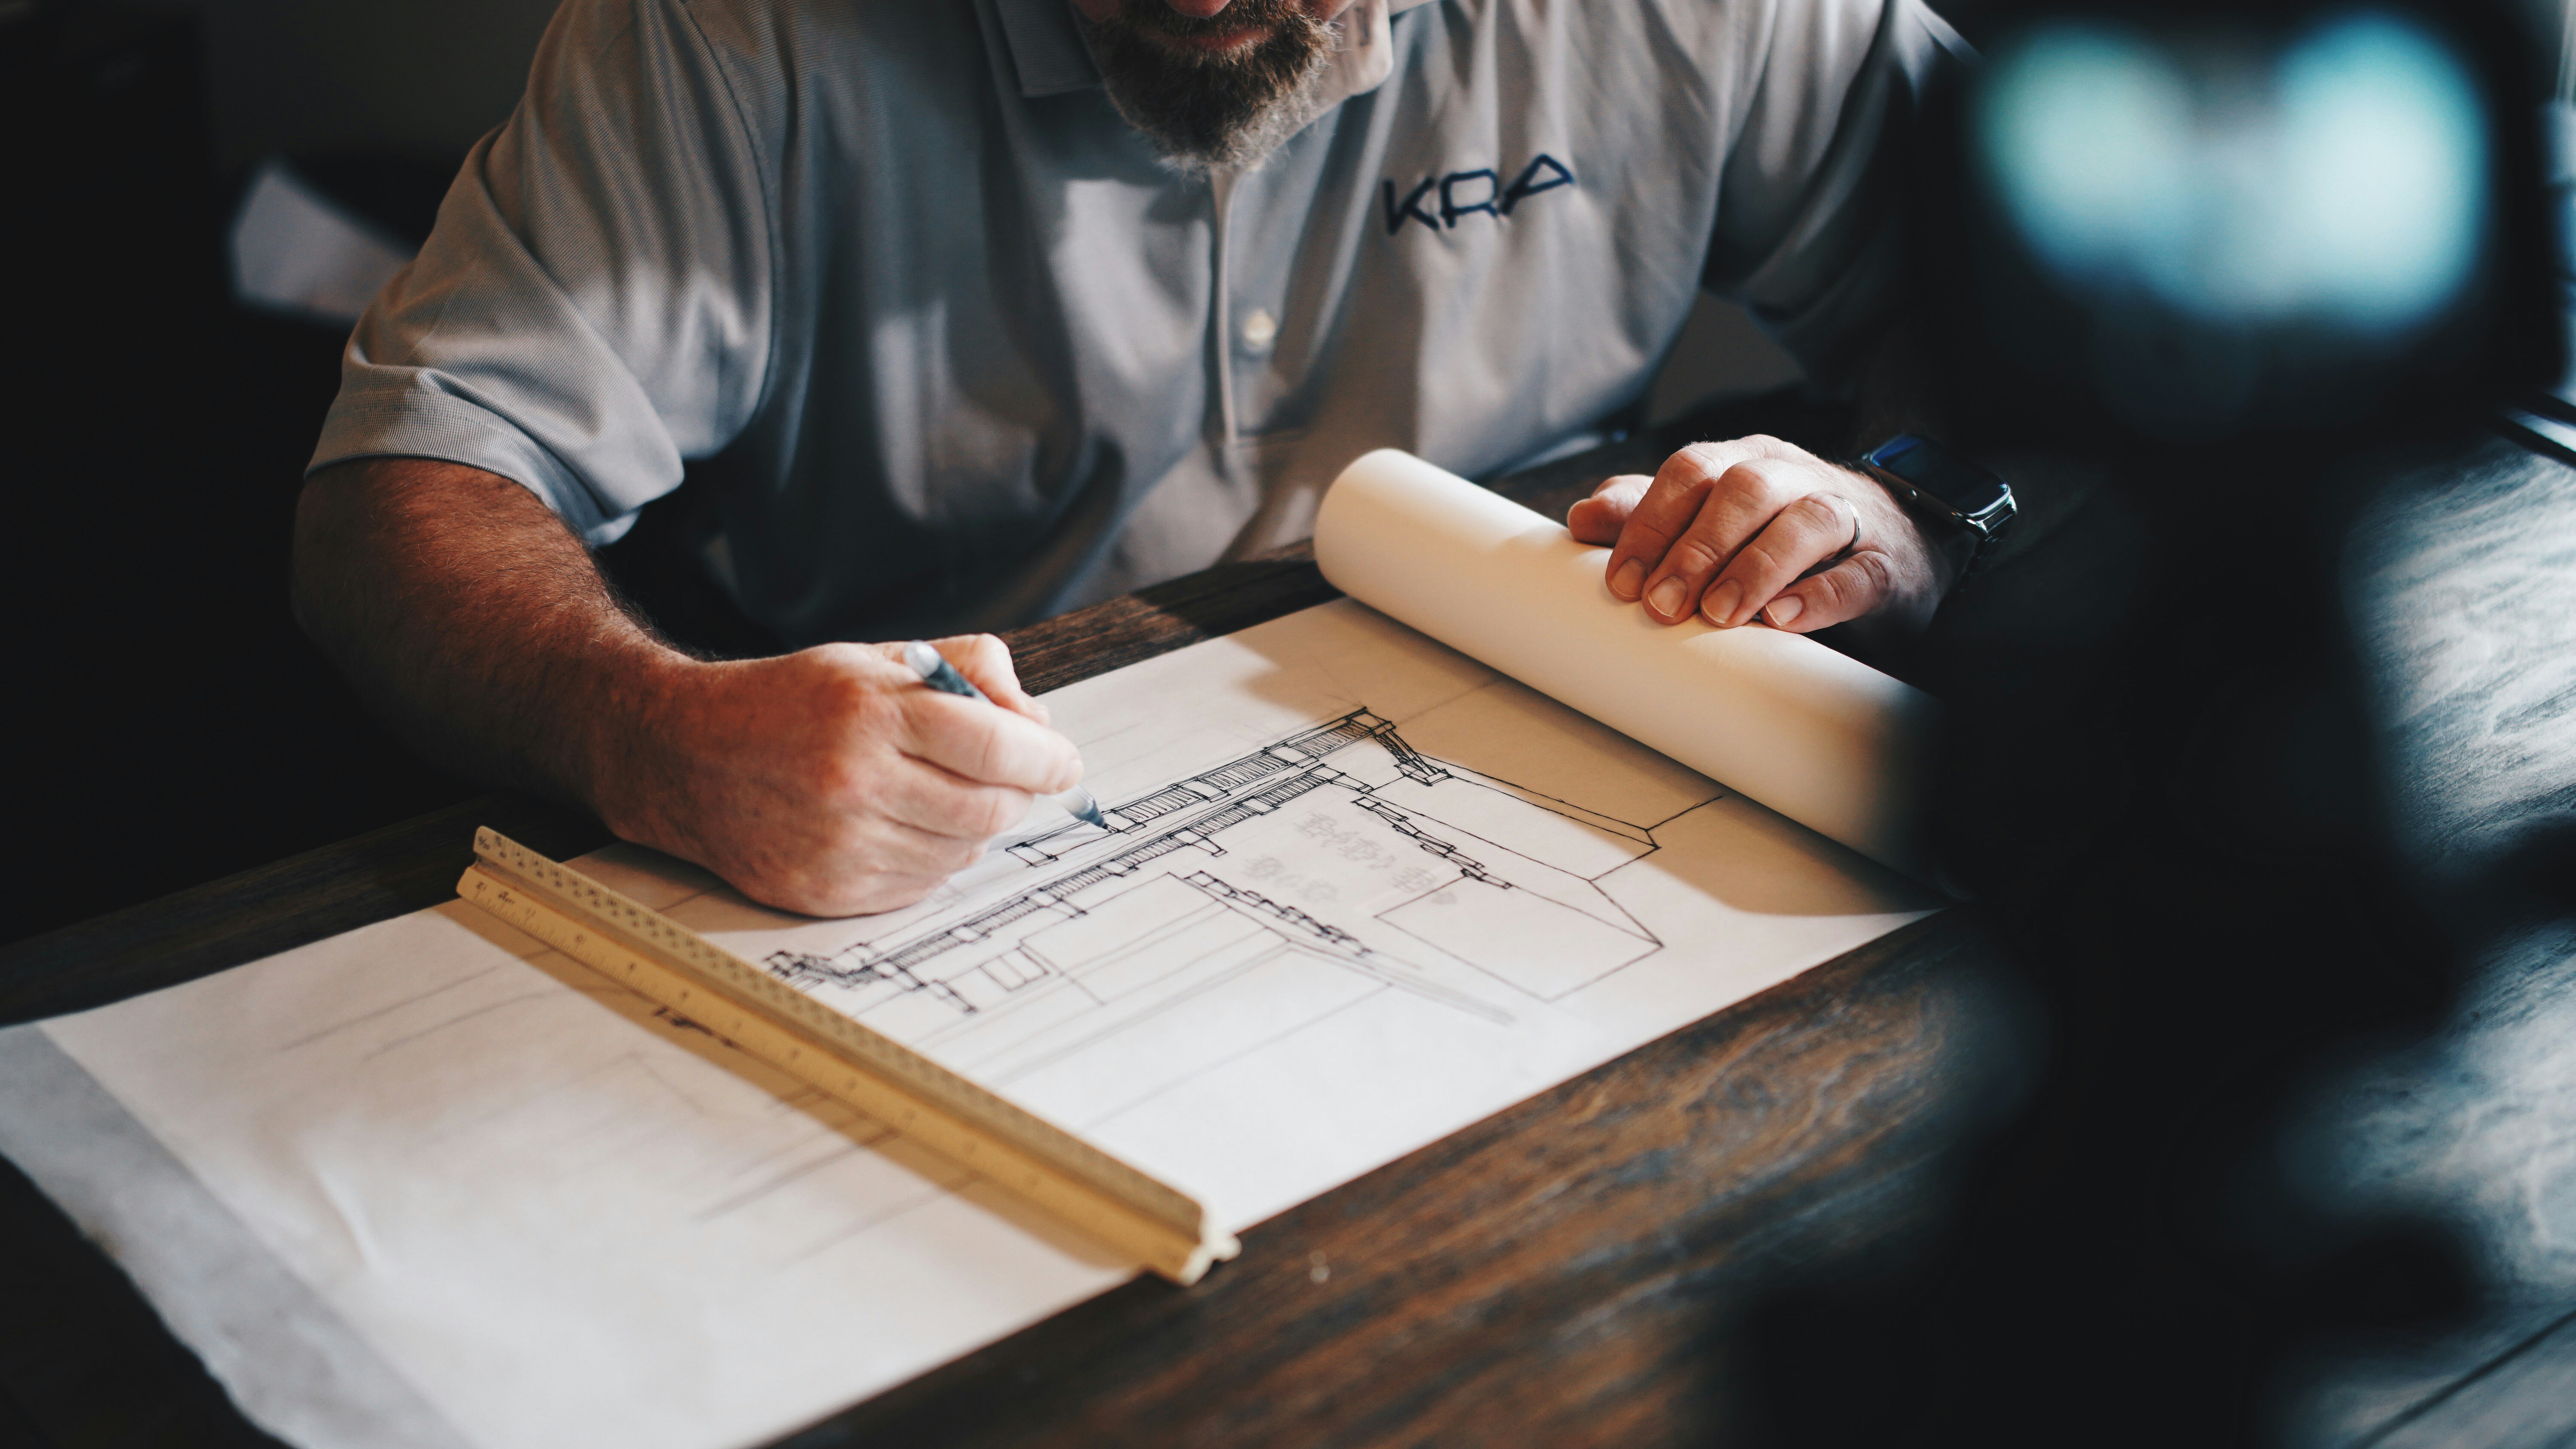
<point x="827" y="780"/>
<point x="472" y="620"/>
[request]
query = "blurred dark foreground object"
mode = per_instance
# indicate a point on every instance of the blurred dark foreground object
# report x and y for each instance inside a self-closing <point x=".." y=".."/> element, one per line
<point x="2226" y="271"/>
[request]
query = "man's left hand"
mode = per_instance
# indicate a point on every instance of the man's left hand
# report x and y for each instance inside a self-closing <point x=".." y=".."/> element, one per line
<point x="1760" y="528"/>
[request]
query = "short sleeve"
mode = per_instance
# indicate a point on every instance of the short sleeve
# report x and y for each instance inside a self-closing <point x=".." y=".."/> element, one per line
<point x="593" y="306"/>
<point x="1808" y="232"/>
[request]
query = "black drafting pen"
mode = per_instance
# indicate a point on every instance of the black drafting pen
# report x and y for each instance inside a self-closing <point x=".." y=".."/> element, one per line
<point x="939" y="674"/>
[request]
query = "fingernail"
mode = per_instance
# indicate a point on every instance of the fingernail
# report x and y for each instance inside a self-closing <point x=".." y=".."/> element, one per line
<point x="1785" y="610"/>
<point x="1720" y="604"/>
<point x="1667" y="597"/>
<point x="1630" y="578"/>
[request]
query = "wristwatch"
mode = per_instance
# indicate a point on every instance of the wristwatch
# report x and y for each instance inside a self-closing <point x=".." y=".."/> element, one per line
<point x="1946" y="489"/>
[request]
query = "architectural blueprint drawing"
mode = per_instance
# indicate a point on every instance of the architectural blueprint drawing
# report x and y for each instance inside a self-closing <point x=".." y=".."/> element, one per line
<point x="1337" y="856"/>
<point x="1357" y="892"/>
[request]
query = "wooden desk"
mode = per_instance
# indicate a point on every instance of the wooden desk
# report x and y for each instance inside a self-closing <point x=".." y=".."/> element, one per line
<point x="1564" y="1272"/>
<point x="1578" y="1269"/>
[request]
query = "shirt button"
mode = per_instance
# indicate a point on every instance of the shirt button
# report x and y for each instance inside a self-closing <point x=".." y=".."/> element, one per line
<point x="1260" y="329"/>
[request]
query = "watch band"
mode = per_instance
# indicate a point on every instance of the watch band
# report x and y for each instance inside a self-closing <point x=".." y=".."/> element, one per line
<point x="1978" y="505"/>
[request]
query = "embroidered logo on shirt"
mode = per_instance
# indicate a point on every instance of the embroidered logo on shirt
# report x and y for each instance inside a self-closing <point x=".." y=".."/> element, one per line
<point x="1439" y="201"/>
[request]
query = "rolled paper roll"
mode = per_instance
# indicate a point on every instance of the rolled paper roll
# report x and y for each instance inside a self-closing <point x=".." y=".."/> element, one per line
<point x="1816" y="735"/>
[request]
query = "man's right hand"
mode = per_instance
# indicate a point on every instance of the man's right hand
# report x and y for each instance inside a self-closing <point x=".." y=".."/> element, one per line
<point x="832" y="781"/>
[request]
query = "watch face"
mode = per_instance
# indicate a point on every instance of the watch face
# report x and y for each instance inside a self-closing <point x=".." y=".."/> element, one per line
<point x="1942" y="475"/>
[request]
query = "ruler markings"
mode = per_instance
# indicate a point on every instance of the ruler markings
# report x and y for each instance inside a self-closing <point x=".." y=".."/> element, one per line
<point x="666" y="962"/>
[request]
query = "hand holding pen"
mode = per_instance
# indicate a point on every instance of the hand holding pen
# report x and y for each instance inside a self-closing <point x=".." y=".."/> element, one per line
<point x="829" y="780"/>
<point x="939" y="674"/>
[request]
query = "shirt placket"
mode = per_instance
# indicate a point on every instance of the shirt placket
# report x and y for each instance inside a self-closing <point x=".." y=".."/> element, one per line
<point x="1225" y="426"/>
<point x="1243" y="329"/>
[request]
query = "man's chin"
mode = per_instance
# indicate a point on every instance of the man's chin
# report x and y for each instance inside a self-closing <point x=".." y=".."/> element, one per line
<point x="1219" y="99"/>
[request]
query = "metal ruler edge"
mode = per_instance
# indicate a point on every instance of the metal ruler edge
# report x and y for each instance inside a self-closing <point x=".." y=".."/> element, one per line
<point x="666" y="962"/>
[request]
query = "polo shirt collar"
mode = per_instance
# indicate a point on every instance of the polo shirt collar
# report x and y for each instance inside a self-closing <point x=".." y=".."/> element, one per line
<point x="1047" y="50"/>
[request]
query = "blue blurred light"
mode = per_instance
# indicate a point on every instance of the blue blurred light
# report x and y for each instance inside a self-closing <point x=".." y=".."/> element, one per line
<point x="2341" y="180"/>
<point x="2385" y="155"/>
<point x="2087" y="130"/>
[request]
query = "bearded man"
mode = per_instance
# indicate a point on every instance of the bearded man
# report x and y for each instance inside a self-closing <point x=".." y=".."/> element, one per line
<point x="973" y="311"/>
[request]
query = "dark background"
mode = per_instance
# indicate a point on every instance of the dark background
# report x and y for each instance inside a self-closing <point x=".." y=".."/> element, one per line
<point x="171" y="724"/>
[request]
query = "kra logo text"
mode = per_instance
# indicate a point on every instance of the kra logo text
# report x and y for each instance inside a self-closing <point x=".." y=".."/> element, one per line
<point x="1439" y="202"/>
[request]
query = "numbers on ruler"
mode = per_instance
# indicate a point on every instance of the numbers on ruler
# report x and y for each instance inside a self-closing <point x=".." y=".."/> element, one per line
<point x="1021" y="1165"/>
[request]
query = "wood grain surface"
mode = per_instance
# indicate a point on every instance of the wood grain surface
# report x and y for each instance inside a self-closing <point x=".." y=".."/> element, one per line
<point x="2461" y="583"/>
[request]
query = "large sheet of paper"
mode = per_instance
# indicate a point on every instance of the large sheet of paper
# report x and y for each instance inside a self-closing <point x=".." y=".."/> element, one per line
<point x="1364" y="891"/>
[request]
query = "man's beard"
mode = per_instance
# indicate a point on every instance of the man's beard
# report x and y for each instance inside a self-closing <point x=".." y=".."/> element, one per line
<point x="1201" y="110"/>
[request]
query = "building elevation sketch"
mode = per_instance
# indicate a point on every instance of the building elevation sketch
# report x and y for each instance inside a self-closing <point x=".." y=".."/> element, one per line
<point x="1330" y="864"/>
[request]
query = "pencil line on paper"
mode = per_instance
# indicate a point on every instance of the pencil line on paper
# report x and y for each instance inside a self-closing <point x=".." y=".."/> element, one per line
<point x="459" y="1019"/>
<point x="755" y="1193"/>
<point x="363" y="1018"/>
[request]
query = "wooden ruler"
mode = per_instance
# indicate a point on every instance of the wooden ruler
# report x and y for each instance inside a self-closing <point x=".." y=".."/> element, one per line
<point x="667" y="962"/>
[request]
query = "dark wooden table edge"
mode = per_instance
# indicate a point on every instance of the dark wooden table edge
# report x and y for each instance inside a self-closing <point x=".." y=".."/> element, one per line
<point x="301" y="899"/>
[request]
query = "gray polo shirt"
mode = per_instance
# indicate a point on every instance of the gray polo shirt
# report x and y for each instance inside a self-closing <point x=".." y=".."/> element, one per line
<point x="954" y="351"/>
